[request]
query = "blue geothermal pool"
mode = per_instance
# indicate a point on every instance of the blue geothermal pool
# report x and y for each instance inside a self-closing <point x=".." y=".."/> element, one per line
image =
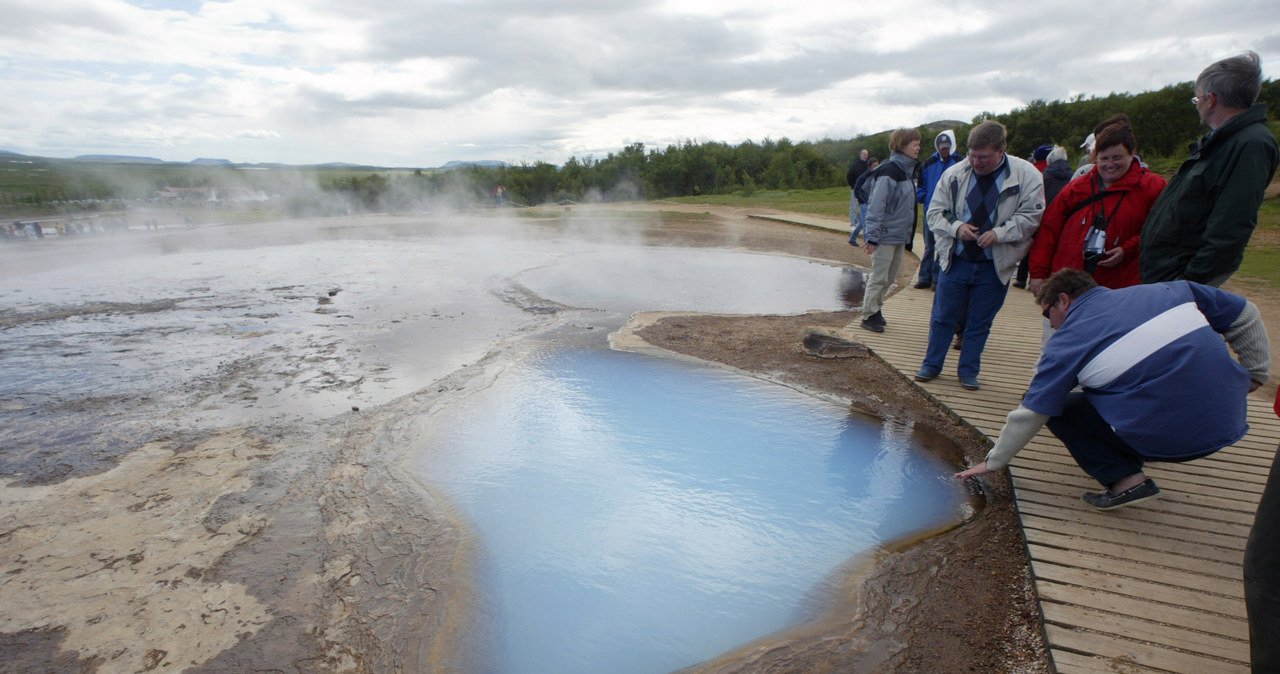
<point x="641" y="515"/>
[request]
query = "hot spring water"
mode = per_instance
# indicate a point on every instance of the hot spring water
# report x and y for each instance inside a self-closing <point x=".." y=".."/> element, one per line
<point x="640" y="515"/>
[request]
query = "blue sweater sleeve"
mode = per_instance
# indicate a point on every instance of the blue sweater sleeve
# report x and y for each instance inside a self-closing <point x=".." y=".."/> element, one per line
<point x="1220" y="307"/>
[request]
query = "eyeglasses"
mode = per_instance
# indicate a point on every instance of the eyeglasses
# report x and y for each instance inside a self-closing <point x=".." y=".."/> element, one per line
<point x="1195" y="100"/>
<point x="1047" y="309"/>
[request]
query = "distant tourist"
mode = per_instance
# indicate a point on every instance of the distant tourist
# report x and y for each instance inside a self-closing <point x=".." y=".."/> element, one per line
<point x="1159" y="383"/>
<point x="1056" y="175"/>
<point x="1200" y="225"/>
<point x="983" y="214"/>
<point x="943" y="158"/>
<point x="891" y="221"/>
<point x="857" y="214"/>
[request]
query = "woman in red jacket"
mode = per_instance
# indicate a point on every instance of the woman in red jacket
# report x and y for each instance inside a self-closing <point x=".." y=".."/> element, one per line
<point x="1095" y="222"/>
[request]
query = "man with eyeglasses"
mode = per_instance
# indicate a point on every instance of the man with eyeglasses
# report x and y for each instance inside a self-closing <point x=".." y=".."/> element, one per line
<point x="1158" y="382"/>
<point x="1199" y="226"/>
<point x="983" y="213"/>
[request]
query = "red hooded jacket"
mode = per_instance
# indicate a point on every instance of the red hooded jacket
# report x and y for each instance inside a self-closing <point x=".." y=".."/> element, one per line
<point x="1060" y="241"/>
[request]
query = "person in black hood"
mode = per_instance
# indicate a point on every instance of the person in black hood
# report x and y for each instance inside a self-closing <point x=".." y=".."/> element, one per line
<point x="857" y="210"/>
<point x="1057" y="173"/>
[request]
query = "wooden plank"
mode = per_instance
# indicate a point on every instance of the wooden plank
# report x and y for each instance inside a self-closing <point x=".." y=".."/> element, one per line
<point x="1138" y="518"/>
<point x="1067" y="662"/>
<point x="1130" y="587"/>
<point x="1036" y="526"/>
<point x="1176" y="616"/>
<point x="1130" y="568"/>
<point x="1089" y="545"/>
<point x="1239" y="505"/>
<point x="1069" y="489"/>
<point x="1173" y="533"/>
<point x="1126" y="651"/>
<point x="1155" y="633"/>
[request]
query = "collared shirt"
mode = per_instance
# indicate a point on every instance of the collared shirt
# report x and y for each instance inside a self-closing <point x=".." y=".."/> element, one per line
<point x="1002" y="171"/>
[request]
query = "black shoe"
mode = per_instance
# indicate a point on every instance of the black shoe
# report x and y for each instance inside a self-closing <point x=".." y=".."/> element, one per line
<point x="877" y="318"/>
<point x="970" y="382"/>
<point x="958" y="344"/>
<point x="921" y="285"/>
<point x="1019" y="284"/>
<point x="1108" y="500"/>
<point x="874" y="327"/>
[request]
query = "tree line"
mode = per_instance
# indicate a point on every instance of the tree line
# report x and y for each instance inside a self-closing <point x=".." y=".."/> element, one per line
<point x="1164" y="122"/>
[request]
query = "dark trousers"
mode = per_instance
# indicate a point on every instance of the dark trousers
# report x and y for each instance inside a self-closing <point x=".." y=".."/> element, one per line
<point x="1024" y="268"/>
<point x="1105" y="456"/>
<point x="929" y="260"/>
<point x="1262" y="577"/>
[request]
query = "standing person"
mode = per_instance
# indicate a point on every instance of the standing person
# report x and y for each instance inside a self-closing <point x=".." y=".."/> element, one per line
<point x="1040" y="157"/>
<point x="1056" y="174"/>
<point x="942" y="159"/>
<point x="1145" y="357"/>
<point x="891" y="221"/>
<point x="856" y="220"/>
<point x="983" y="214"/>
<point x="1262" y="574"/>
<point x="1200" y="225"/>
<point x="1095" y="222"/>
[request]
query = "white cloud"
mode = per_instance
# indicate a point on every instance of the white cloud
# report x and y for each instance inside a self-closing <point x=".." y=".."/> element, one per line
<point x="387" y="82"/>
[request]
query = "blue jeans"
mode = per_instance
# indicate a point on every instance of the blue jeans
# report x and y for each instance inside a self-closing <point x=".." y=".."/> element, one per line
<point x="976" y="284"/>
<point x="928" y="261"/>
<point x="857" y="218"/>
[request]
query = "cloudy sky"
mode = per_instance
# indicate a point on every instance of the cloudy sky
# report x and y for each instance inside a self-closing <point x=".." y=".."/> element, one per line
<point x="417" y="83"/>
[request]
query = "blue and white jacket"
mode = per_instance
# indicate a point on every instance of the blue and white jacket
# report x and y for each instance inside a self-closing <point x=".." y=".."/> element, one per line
<point x="1152" y="361"/>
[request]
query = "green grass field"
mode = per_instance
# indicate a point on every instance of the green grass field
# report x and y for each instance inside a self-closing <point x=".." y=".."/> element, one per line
<point x="830" y="201"/>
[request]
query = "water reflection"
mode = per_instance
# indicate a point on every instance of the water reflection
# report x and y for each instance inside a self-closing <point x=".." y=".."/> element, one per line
<point x="684" y="279"/>
<point x="642" y="515"/>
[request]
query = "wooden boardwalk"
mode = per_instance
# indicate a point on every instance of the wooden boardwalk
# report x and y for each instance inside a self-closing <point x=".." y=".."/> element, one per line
<point x="1156" y="587"/>
<point x="1151" y="588"/>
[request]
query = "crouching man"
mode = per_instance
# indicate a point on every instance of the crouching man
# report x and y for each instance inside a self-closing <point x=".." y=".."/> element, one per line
<point x="1158" y="383"/>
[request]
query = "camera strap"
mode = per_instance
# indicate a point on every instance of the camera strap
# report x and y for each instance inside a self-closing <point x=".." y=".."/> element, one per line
<point x="1098" y="226"/>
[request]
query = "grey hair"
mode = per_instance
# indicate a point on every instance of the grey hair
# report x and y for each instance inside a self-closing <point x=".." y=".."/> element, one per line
<point x="1236" y="80"/>
<point x="989" y="135"/>
<point x="1058" y="152"/>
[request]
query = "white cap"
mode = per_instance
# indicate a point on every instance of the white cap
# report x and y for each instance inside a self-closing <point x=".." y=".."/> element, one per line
<point x="1088" y="142"/>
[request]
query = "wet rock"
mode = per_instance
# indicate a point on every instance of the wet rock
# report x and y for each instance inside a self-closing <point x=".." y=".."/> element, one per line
<point x="826" y="343"/>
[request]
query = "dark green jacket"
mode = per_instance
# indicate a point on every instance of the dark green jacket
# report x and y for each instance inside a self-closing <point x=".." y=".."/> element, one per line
<point x="1199" y="226"/>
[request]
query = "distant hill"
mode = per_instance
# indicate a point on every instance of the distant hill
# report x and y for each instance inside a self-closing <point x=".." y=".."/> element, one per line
<point x="486" y="163"/>
<point x="12" y="154"/>
<point x="210" y="162"/>
<point x="120" y="159"/>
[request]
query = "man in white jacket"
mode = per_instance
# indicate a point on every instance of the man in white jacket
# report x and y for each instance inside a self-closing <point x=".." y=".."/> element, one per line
<point x="983" y="214"/>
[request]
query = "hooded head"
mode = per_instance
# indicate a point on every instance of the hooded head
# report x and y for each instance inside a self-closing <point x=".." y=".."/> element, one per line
<point x="945" y="143"/>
